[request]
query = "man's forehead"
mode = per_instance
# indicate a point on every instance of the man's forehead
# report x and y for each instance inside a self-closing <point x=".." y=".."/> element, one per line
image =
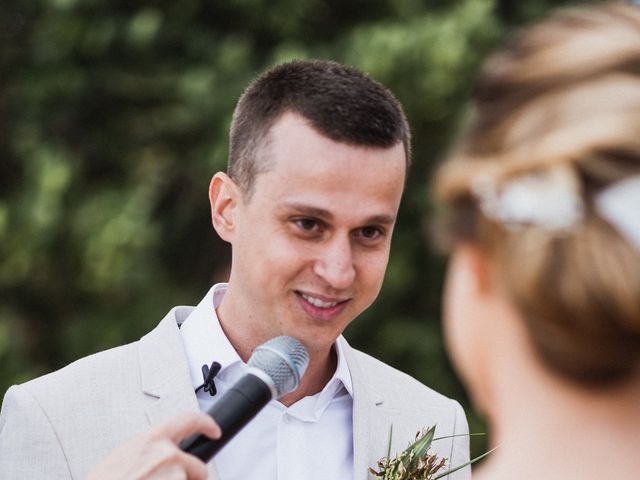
<point x="308" y="170"/>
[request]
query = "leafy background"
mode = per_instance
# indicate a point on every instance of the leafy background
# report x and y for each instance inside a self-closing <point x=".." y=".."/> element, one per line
<point x="114" y="115"/>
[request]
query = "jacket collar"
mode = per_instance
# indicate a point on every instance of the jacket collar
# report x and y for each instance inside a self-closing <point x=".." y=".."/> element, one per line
<point x="164" y="372"/>
<point x="371" y="423"/>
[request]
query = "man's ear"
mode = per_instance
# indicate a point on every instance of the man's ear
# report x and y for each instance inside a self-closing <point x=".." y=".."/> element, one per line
<point x="224" y="196"/>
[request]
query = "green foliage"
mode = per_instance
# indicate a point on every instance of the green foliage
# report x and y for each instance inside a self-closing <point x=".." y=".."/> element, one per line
<point x="114" y="115"/>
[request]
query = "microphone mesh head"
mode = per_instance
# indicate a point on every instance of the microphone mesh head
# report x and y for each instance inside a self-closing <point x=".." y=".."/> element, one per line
<point x="284" y="359"/>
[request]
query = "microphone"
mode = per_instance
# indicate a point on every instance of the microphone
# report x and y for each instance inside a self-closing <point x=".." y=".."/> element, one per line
<point x="208" y="374"/>
<point x="275" y="369"/>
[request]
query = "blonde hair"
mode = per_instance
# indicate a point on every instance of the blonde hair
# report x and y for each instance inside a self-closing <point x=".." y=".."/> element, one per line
<point x="564" y="95"/>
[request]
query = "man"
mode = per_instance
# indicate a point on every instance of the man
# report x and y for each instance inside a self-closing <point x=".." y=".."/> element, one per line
<point x="317" y="164"/>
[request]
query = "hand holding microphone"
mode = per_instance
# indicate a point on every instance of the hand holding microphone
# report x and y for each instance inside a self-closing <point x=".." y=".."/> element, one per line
<point x="275" y="369"/>
<point x="154" y="454"/>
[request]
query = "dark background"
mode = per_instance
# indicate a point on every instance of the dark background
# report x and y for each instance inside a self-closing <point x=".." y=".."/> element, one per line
<point x="114" y="116"/>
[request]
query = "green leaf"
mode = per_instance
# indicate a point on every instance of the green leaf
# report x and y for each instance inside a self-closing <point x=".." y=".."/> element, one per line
<point x="420" y="447"/>
<point x="459" y="467"/>
<point x="460" y="435"/>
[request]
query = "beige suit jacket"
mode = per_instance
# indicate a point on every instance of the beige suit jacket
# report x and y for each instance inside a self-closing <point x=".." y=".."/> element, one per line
<point x="60" y="425"/>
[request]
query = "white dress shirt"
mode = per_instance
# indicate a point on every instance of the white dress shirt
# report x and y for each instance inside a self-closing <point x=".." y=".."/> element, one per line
<point x="311" y="439"/>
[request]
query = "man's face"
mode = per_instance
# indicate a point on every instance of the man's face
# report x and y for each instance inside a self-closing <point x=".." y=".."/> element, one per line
<point x="311" y="244"/>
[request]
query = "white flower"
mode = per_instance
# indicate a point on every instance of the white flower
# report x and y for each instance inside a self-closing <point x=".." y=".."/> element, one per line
<point x="549" y="199"/>
<point x="619" y="205"/>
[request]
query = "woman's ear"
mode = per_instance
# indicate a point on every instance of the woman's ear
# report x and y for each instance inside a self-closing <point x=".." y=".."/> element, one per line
<point x="476" y="268"/>
<point x="223" y="198"/>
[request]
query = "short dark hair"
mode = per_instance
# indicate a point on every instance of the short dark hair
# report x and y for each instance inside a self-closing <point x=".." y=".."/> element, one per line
<point x="340" y="102"/>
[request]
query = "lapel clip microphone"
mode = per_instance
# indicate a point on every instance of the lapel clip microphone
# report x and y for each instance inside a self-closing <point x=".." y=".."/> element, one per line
<point x="208" y="374"/>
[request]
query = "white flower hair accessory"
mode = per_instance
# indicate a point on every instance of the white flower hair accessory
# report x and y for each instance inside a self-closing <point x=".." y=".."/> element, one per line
<point x="548" y="199"/>
<point x="619" y="205"/>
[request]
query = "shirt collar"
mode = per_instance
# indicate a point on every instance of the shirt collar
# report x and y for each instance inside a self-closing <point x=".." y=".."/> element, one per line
<point x="204" y="339"/>
<point x="205" y="342"/>
<point x="342" y="370"/>
<point x="339" y="388"/>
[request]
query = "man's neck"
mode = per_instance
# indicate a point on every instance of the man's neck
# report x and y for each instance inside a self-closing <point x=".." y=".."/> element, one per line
<point x="320" y="370"/>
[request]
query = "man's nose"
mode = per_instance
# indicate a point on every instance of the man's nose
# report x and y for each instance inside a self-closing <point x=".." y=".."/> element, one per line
<point x="335" y="263"/>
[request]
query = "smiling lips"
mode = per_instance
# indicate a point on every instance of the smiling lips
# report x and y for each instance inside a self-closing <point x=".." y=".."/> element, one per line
<point x="319" y="308"/>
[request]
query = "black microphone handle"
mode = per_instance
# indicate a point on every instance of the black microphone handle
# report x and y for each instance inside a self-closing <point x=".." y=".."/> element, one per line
<point x="231" y="412"/>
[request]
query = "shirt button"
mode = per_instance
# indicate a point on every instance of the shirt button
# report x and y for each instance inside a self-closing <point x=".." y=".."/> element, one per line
<point x="286" y="418"/>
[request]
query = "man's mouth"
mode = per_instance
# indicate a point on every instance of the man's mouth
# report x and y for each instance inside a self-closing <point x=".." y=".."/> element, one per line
<point x="321" y="308"/>
<point x="316" y="302"/>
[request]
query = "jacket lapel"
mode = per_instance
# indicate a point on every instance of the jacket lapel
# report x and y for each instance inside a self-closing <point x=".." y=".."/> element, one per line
<point x="165" y="374"/>
<point x="371" y="424"/>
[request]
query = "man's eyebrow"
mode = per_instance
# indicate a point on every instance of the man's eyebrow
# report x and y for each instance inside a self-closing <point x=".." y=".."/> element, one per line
<point x="303" y="209"/>
<point x="381" y="220"/>
<point x="323" y="214"/>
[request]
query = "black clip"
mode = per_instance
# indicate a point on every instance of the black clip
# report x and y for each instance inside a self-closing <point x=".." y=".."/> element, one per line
<point x="209" y="374"/>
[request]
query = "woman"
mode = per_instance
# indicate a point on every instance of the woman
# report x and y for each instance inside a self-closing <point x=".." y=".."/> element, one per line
<point x="542" y="307"/>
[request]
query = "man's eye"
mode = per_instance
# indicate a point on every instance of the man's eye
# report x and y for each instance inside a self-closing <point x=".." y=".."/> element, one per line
<point x="370" y="233"/>
<point x="306" y="224"/>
